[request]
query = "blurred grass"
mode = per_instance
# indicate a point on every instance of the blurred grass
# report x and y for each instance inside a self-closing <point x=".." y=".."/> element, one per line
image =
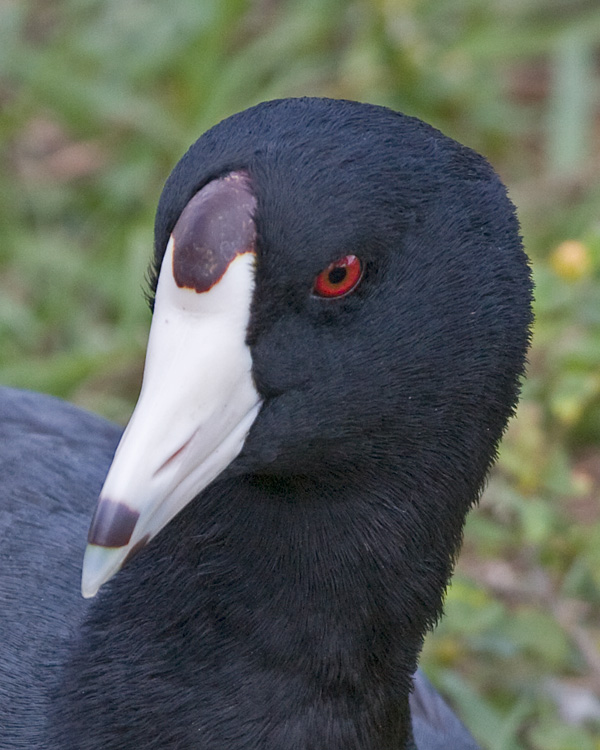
<point x="99" y="98"/>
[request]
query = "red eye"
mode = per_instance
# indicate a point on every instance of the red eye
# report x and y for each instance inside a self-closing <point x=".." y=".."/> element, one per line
<point x="339" y="278"/>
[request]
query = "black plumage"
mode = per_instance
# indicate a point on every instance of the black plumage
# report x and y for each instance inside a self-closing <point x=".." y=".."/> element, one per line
<point x="286" y="606"/>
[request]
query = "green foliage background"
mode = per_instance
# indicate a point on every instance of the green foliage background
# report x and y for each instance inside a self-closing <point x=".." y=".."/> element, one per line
<point x="99" y="98"/>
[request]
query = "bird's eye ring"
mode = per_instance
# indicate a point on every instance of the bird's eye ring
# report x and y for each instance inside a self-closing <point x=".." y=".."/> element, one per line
<point x="339" y="278"/>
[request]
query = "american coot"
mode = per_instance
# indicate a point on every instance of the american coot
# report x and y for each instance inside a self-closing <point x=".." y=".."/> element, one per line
<point x="341" y="319"/>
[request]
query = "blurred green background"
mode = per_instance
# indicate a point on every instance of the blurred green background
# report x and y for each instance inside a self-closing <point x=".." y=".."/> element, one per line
<point x="98" y="100"/>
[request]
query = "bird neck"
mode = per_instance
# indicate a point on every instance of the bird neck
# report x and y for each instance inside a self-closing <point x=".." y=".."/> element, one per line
<point x="332" y="587"/>
<point x="301" y="606"/>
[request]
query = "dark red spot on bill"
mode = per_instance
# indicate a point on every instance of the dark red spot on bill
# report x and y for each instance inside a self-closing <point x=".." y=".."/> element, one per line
<point x="215" y="227"/>
<point x="112" y="525"/>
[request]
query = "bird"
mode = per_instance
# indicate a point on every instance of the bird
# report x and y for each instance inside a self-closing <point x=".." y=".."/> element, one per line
<point x="341" y="317"/>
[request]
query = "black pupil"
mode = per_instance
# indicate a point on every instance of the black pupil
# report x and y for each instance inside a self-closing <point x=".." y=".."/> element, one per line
<point x="337" y="275"/>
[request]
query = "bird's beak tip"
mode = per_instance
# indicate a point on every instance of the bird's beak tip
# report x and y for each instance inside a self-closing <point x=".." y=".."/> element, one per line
<point x="99" y="565"/>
